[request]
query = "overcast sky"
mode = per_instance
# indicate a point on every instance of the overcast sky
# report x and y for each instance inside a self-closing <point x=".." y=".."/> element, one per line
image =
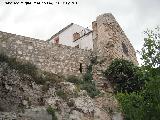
<point x="42" y="21"/>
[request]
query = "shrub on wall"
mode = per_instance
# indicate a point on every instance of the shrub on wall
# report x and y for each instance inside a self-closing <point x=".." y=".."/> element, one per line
<point x="124" y="76"/>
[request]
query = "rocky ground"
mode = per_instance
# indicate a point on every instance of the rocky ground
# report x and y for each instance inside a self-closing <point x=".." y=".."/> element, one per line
<point x="21" y="98"/>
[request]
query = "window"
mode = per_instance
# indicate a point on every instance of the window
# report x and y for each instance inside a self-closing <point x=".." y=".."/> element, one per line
<point x="56" y="40"/>
<point x="80" y="68"/>
<point x="125" y="49"/>
<point x="76" y="36"/>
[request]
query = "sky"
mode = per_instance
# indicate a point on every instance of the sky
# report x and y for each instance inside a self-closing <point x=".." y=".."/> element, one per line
<point x="42" y="21"/>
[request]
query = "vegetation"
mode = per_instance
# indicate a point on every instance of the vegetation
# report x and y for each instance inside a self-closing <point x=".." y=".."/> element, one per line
<point x="89" y="84"/>
<point x="29" y="71"/>
<point x="74" y="79"/>
<point x="86" y="83"/>
<point x="125" y="76"/>
<point x="142" y="103"/>
<point x="51" y="111"/>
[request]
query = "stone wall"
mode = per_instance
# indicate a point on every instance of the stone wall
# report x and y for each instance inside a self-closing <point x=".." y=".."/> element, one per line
<point x="50" y="57"/>
<point x="110" y="41"/>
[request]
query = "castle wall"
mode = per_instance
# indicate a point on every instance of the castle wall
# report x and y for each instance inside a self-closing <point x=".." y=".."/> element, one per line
<point x="111" y="41"/>
<point x="47" y="56"/>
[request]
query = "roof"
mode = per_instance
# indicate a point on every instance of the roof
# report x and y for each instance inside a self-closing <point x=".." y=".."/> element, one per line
<point x="61" y="31"/>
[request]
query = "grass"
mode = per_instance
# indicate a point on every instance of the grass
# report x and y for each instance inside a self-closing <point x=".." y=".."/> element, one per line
<point x="27" y="68"/>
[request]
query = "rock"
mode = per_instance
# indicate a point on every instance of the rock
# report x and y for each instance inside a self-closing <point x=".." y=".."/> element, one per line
<point x="82" y="93"/>
<point x="38" y="113"/>
<point x="52" y="101"/>
<point x="8" y="116"/>
<point x="68" y="87"/>
<point x="117" y="116"/>
<point x="84" y="104"/>
<point x="76" y="115"/>
<point x="101" y="115"/>
<point x="25" y="103"/>
<point x="22" y="99"/>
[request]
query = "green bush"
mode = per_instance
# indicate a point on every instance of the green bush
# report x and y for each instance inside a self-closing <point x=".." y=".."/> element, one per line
<point x="132" y="105"/>
<point x="87" y="77"/>
<point x="51" y="111"/>
<point x="125" y="76"/>
<point x="151" y="94"/>
<point x="90" y="88"/>
<point x="145" y="103"/>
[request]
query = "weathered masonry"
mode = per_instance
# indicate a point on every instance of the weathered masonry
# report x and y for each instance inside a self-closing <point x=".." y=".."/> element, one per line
<point x="50" y="57"/>
<point x="109" y="42"/>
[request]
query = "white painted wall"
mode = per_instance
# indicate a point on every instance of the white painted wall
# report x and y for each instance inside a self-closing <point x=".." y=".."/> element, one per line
<point x="66" y="37"/>
<point x="85" y="42"/>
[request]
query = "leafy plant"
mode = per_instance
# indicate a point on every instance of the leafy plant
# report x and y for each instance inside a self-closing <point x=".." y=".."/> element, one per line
<point x="144" y="104"/>
<point x="151" y="49"/>
<point x="132" y="105"/>
<point x="125" y="76"/>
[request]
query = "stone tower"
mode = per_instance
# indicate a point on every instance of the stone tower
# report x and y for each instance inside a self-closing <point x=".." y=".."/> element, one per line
<point x="110" y="42"/>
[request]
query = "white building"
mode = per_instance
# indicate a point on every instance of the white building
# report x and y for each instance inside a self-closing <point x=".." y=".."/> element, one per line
<point x="75" y="36"/>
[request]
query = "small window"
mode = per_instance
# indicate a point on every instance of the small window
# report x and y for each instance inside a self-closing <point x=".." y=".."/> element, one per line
<point x="76" y="36"/>
<point x="80" y="68"/>
<point x="125" y="49"/>
<point x="77" y="46"/>
<point x="56" y="40"/>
